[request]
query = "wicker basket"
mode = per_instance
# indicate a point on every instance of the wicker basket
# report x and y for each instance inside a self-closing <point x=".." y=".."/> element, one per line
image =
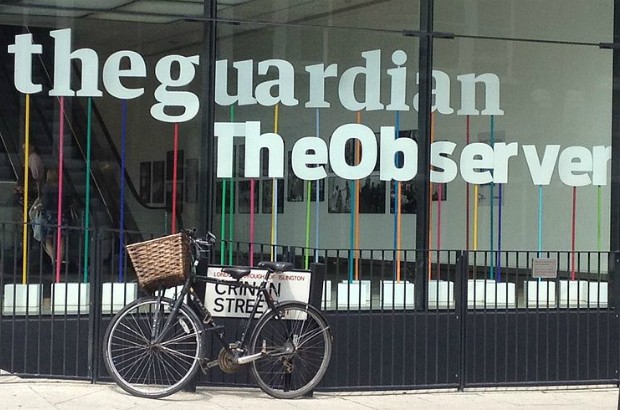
<point x="162" y="261"/>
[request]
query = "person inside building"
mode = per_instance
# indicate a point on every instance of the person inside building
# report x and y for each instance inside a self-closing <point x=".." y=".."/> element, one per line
<point x="49" y="204"/>
<point x="36" y="168"/>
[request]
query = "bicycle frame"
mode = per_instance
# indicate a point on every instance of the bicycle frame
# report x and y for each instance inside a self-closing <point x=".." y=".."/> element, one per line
<point x="205" y="316"/>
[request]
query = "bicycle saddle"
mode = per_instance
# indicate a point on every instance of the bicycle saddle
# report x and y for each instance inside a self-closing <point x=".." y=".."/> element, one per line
<point x="237" y="272"/>
<point x="275" y="266"/>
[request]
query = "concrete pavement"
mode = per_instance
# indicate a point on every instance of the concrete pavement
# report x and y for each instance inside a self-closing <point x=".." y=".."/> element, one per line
<point x="16" y="393"/>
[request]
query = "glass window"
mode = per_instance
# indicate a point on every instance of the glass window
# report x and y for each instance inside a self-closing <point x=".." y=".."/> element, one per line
<point x="390" y="15"/>
<point x="527" y="129"/>
<point x="300" y="82"/>
<point x="551" y="20"/>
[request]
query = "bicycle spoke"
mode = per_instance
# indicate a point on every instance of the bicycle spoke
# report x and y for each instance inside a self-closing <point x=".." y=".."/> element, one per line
<point x="298" y="351"/>
<point x="146" y="369"/>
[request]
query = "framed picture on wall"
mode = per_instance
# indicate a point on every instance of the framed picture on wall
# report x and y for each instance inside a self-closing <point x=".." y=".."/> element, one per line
<point x="191" y="180"/>
<point x="372" y="195"/>
<point x="243" y="193"/>
<point x="241" y="160"/>
<point x="268" y="195"/>
<point x="170" y="165"/>
<point x="145" y="182"/>
<point x="339" y="199"/>
<point x="440" y="192"/>
<point x="264" y="162"/>
<point x="157" y="188"/>
<point x="295" y="191"/>
<point x="408" y="199"/>
<point x="179" y="203"/>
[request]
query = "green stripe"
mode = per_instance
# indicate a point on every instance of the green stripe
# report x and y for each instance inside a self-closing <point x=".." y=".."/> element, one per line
<point x="231" y="208"/>
<point x="223" y="223"/>
<point x="307" y="223"/>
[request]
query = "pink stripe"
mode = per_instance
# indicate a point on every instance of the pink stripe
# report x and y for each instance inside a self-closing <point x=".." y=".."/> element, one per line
<point x="439" y="195"/>
<point x="252" y="182"/>
<point x="573" y="229"/>
<point x="174" y="178"/>
<point x="467" y="205"/>
<point x="61" y="144"/>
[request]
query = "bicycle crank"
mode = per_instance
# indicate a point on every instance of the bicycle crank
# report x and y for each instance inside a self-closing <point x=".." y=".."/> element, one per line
<point x="227" y="362"/>
<point x="253" y="357"/>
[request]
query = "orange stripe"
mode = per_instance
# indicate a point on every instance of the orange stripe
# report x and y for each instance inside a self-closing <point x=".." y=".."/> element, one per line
<point x="430" y="201"/>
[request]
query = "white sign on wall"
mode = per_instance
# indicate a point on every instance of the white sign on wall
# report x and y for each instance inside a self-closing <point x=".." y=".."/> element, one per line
<point x="236" y="301"/>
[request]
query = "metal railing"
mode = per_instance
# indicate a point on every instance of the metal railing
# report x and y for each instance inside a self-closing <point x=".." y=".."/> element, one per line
<point x="476" y="318"/>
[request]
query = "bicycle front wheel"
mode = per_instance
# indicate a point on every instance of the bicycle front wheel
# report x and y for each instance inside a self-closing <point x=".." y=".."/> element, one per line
<point x="144" y="366"/>
<point x="297" y="346"/>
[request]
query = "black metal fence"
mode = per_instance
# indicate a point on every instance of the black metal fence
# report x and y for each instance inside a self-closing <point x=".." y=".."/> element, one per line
<point x="406" y="319"/>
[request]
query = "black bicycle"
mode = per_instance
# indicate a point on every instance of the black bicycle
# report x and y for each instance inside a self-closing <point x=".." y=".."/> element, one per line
<point x="155" y="345"/>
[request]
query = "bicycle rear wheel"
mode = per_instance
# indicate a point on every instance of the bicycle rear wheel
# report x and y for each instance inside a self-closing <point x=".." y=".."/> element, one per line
<point x="142" y="367"/>
<point x="297" y="343"/>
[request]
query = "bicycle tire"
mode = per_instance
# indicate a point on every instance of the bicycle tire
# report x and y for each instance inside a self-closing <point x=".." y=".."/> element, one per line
<point x="142" y="368"/>
<point x="298" y="350"/>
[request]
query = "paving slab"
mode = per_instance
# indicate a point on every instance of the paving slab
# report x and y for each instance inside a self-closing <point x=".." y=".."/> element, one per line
<point x="17" y="393"/>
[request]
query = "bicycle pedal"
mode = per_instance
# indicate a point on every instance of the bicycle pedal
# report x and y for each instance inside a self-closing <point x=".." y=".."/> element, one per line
<point x="205" y="365"/>
<point x="212" y="364"/>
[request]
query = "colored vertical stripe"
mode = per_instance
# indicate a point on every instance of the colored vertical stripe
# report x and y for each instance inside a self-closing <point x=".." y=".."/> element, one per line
<point x="467" y="189"/>
<point x="316" y="205"/>
<point x="351" y="232"/>
<point x="599" y="203"/>
<point x="89" y="121"/>
<point x="61" y="144"/>
<point x="439" y="196"/>
<point x="540" y="219"/>
<point x="399" y="234"/>
<point x="499" y="235"/>
<point x="476" y="196"/>
<point x="231" y="221"/>
<point x="175" y="171"/>
<point x="396" y="189"/>
<point x="252" y="217"/>
<point x="358" y="153"/>
<point x="430" y="208"/>
<point x="274" y="196"/>
<point x="491" y="209"/>
<point x="26" y="189"/>
<point x="231" y="206"/>
<point x="121" y="253"/>
<point x="308" y="193"/>
<point x="357" y="229"/>
<point x="573" y="234"/>
<point x="223" y="225"/>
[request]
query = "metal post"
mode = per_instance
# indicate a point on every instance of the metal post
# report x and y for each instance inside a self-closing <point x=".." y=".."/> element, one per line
<point x="317" y="277"/>
<point x="94" y="315"/>
<point x="460" y="300"/>
<point x="206" y="190"/>
<point x="424" y="126"/>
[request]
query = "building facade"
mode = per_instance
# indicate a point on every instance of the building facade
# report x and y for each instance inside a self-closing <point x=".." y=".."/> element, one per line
<point x="379" y="138"/>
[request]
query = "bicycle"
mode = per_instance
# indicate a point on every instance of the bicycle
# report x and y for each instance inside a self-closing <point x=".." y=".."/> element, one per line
<point x="155" y="345"/>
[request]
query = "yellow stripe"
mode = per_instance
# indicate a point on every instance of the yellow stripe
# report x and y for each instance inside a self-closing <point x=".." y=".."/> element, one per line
<point x="274" y="200"/>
